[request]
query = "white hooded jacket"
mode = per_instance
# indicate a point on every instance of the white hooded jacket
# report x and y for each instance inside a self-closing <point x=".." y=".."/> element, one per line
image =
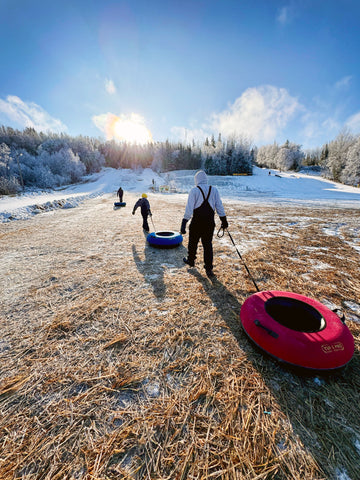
<point x="195" y="198"/>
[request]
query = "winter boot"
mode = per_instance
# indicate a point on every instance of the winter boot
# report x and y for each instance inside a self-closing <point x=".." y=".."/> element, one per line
<point x="187" y="261"/>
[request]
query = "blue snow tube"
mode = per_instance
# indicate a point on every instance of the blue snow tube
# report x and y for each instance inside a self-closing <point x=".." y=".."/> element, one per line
<point x="164" y="239"/>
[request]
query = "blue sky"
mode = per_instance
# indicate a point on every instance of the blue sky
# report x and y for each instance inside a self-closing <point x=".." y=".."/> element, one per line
<point x="265" y="70"/>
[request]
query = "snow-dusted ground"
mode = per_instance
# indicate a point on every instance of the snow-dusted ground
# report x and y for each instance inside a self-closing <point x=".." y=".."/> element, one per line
<point x="277" y="188"/>
<point x="259" y="187"/>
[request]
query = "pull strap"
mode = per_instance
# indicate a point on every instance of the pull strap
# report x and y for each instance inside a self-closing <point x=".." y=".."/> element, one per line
<point x="207" y="198"/>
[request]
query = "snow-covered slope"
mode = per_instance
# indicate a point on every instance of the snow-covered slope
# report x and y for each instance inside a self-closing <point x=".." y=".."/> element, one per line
<point x="259" y="187"/>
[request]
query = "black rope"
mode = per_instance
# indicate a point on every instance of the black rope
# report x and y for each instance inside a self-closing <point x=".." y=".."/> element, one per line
<point x="248" y="271"/>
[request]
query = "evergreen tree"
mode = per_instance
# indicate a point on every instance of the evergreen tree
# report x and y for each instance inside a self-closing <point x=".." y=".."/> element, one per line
<point x="324" y="154"/>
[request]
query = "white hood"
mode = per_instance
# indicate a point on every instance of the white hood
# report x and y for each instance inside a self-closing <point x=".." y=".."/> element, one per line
<point x="200" y="178"/>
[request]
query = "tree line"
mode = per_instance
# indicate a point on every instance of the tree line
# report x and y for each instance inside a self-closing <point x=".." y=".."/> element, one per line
<point x="338" y="160"/>
<point x="47" y="160"/>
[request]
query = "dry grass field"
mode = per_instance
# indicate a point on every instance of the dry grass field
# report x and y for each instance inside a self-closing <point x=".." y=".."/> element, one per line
<point x="119" y="362"/>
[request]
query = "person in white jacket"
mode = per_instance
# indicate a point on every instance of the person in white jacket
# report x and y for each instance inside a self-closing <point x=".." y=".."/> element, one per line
<point x="201" y="205"/>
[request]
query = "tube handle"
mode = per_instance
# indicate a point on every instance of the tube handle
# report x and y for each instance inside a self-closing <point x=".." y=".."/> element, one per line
<point x="268" y="330"/>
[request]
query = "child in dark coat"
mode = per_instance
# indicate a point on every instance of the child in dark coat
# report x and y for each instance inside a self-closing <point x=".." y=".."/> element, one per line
<point x="120" y="193"/>
<point x="144" y="205"/>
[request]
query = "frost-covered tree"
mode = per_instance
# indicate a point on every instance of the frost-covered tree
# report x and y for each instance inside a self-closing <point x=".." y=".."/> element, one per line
<point x="338" y="152"/>
<point x="30" y="165"/>
<point x="64" y="166"/>
<point x="8" y="182"/>
<point x="227" y="157"/>
<point x="351" y="173"/>
<point x="5" y="159"/>
<point x="289" y="156"/>
<point x="87" y="149"/>
<point x="53" y="145"/>
<point x="266" y="156"/>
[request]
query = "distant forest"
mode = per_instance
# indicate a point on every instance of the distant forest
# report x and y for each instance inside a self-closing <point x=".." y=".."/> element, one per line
<point x="46" y="160"/>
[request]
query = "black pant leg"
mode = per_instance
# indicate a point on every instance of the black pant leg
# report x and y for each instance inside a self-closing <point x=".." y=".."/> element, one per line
<point x="206" y="240"/>
<point x="194" y="237"/>
<point x="145" y="223"/>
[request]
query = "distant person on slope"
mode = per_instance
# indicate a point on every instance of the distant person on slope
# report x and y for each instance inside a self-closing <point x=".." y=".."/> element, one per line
<point x="144" y="205"/>
<point x="120" y="194"/>
<point x="202" y="202"/>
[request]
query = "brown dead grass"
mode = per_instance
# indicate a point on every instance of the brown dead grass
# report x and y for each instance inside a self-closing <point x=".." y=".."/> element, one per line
<point x="119" y="362"/>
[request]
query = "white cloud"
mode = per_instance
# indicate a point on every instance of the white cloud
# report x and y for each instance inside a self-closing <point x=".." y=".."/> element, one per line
<point x="331" y="124"/>
<point x="283" y="16"/>
<point x="101" y="121"/>
<point x="260" y="113"/>
<point x="29" y="114"/>
<point x="110" y="86"/>
<point x="353" y="122"/>
<point x="288" y="13"/>
<point x="343" y="82"/>
<point x="267" y="113"/>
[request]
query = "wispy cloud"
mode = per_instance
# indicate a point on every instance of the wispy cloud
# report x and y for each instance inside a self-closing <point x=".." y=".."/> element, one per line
<point x="287" y="13"/>
<point x="110" y="86"/>
<point x="29" y="114"/>
<point x="283" y="15"/>
<point x="353" y="122"/>
<point x="343" y="82"/>
<point x="315" y="125"/>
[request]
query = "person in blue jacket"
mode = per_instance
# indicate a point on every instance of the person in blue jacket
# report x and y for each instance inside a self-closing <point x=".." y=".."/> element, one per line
<point x="144" y="205"/>
<point x="203" y="201"/>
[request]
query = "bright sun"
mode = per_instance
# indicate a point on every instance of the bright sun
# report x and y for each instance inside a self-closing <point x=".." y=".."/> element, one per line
<point x="130" y="129"/>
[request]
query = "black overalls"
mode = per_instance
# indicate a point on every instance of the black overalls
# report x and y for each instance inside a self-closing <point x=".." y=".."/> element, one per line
<point x="202" y="227"/>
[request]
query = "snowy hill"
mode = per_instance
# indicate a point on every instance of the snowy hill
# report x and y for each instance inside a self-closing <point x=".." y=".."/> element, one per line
<point x="259" y="187"/>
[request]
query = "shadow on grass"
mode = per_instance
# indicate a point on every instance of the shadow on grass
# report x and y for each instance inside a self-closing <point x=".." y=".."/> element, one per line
<point x="321" y="407"/>
<point x="152" y="263"/>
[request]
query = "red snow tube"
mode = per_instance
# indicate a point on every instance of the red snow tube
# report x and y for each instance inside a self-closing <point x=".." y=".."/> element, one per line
<point x="297" y="330"/>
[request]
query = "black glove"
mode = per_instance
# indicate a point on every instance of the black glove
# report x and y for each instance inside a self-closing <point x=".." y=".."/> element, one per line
<point x="133" y="212"/>
<point x="183" y="226"/>
<point x="224" y="222"/>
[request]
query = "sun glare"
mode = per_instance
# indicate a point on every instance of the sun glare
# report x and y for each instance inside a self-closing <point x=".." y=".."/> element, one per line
<point x="129" y="129"/>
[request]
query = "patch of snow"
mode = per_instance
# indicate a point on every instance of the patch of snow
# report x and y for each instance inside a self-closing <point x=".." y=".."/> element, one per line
<point x="353" y="318"/>
<point x="330" y="305"/>
<point x="355" y="307"/>
<point x="152" y="388"/>
<point x="317" y="265"/>
<point x="341" y="474"/>
<point x="357" y="445"/>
